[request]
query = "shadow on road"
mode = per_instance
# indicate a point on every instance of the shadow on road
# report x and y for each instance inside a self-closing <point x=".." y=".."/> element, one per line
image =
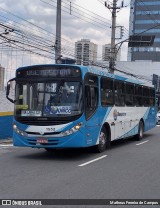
<point x="75" y="154"/>
<point x="127" y="141"/>
<point x="58" y="155"/>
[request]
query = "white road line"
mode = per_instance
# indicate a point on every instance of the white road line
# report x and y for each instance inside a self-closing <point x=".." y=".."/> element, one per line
<point x="6" y="145"/>
<point x="142" y="142"/>
<point x="99" y="158"/>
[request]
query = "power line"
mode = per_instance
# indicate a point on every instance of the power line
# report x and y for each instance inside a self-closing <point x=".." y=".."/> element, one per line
<point x="79" y="15"/>
<point x="28" y="39"/>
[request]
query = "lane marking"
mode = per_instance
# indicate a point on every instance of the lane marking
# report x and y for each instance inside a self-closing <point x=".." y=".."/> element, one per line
<point x="6" y="145"/>
<point x="91" y="161"/>
<point x="143" y="142"/>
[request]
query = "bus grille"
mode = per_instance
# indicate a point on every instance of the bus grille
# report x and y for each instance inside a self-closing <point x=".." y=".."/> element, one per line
<point x="37" y="133"/>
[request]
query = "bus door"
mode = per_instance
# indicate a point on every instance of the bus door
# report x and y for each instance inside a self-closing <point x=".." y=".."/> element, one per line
<point x="92" y="126"/>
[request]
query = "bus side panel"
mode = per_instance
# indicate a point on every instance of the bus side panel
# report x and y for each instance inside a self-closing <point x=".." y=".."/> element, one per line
<point x="105" y="116"/>
<point x="124" y="121"/>
<point x="150" y="119"/>
<point x="92" y="128"/>
<point x="131" y="120"/>
<point x="110" y="116"/>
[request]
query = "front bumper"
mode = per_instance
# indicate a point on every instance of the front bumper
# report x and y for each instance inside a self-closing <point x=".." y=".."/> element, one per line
<point x="75" y="140"/>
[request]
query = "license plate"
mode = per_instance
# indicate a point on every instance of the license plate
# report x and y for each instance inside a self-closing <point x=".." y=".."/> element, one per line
<point x="42" y="140"/>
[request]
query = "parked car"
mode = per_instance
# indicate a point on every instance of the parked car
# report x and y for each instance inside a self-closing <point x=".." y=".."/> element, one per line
<point x="158" y="117"/>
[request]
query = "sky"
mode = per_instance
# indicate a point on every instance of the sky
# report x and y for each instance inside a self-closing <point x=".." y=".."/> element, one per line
<point x="83" y="19"/>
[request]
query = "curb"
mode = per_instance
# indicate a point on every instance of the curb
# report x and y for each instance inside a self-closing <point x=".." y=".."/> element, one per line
<point x="6" y="141"/>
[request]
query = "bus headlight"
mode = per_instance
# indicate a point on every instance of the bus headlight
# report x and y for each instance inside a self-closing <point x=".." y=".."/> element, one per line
<point x="14" y="126"/>
<point x="72" y="130"/>
<point x="78" y="126"/>
<point x="18" y="131"/>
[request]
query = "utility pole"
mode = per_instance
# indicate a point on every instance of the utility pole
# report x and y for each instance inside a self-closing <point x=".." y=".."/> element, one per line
<point x="58" y="33"/>
<point x="112" y="61"/>
<point x="113" y="29"/>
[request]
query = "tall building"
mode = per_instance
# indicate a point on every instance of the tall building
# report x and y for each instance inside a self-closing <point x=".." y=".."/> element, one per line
<point x="106" y="53"/>
<point x="85" y="52"/>
<point x="1" y="78"/>
<point x="145" y="20"/>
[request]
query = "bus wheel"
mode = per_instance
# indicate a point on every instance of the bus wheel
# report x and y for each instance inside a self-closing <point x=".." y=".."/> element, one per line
<point x="102" y="141"/>
<point x="139" y="136"/>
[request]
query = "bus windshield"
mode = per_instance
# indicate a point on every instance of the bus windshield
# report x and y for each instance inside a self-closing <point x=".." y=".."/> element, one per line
<point x="49" y="99"/>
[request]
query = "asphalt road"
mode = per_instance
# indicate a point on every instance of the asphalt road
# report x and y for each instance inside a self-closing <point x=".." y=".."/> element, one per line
<point x="129" y="170"/>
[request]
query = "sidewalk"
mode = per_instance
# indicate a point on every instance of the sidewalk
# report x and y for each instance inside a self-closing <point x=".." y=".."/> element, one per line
<point x="6" y="141"/>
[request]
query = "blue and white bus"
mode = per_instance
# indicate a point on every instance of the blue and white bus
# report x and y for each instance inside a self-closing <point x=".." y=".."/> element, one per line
<point x="71" y="106"/>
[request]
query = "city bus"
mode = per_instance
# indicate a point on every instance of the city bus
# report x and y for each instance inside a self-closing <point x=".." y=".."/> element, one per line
<point x="70" y="106"/>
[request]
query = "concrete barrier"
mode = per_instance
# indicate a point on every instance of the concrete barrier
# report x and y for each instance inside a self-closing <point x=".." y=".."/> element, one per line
<point x="6" y="130"/>
<point x="6" y="117"/>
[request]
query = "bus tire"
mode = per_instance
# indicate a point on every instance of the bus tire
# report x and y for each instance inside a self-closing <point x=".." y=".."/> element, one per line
<point x="102" y="141"/>
<point x="140" y="134"/>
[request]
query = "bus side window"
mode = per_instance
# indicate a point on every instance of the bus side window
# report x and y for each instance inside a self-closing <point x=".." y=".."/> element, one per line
<point x="138" y="96"/>
<point x="145" y="96"/>
<point x="91" y="100"/>
<point x="87" y="97"/>
<point x="119" y="93"/>
<point x="152" y="97"/>
<point x="91" y="95"/>
<point x="129" y="94"/>
<point x="106" y="92"/>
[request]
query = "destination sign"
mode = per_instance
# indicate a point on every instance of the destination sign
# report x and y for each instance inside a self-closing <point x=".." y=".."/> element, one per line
<point x="52" y="72"/>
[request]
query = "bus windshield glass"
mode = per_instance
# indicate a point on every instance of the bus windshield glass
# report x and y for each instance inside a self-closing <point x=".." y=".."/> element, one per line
<point x="49" y="99"/>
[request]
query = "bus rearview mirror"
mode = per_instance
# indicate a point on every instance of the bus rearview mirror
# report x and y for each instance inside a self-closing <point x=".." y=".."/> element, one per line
<point x="8" y="90"/>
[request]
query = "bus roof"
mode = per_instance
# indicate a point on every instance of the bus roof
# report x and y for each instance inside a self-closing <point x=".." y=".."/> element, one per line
<point x="94" y="70"/>
<point x="103" y="72"/>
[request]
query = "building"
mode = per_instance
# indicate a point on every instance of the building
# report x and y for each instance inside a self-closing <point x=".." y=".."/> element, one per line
<point x="106" y="53"/>
<point x="145" y="20"/>
<point x="2" y="78"/>
<point x="85" y="52"/>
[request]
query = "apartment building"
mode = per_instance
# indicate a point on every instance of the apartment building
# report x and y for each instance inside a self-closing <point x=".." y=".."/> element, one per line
<point x="85" y="52"/>
<point x="106" y="53"/>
